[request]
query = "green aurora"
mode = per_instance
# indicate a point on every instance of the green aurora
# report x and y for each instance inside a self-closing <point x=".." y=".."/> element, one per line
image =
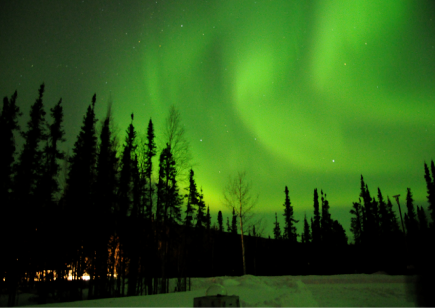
<point x="304" y="94"/>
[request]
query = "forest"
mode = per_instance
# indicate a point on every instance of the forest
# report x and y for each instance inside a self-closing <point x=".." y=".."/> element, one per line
<point x="122" y="226"/>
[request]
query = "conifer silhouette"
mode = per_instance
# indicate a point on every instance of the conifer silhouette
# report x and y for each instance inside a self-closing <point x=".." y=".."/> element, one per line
<point x="289" y="228"/>
<point x="150" y="152"/>
<point x="306" y="235"/>
<point x="277" y="229"/>
<point x="106" y="184"/>
<point x="220" y="221"/>
<point x="192" y="200"/>
<point x="356" y="225"/>
<point x="430" y="185"/>
<point x="325" y="220"/>
<point x="316" y="220"/>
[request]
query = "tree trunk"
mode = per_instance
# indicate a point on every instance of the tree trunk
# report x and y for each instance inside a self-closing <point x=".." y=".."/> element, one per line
<point x="255" y="258"/>
<point x="112" y="266"/>
<point x="149" y="284"/>
<point x="92" y="277"/>
<point x="132" y="273"/>
<point x="12" y="281"/>
<point x="243" y="245"/>
<point x="164" y="255"/>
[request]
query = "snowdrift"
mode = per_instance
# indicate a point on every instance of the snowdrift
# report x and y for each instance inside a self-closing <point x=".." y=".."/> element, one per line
<point x="373" y="290"/>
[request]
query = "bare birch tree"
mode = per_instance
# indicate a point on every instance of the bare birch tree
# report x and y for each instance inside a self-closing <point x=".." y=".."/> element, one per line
<point x="238" y="195"/>
<point x="175" y="136"/>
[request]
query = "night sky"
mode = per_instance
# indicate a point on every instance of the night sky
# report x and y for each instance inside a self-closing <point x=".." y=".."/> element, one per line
<point x="308" y="94"/>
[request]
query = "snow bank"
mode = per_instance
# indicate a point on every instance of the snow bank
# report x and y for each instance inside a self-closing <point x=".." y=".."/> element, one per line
<point x="282" y="291"/>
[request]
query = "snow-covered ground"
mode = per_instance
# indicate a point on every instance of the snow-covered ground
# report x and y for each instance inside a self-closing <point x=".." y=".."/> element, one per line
<point x="281" y="291"/>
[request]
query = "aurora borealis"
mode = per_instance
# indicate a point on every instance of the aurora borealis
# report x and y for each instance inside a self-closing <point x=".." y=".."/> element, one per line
<point x="304" y="94"/>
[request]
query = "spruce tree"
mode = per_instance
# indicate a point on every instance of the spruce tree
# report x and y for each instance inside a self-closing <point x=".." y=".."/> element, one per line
<point x="411" y="227"/>
<point x="370" y="215"/>
<point x="316" y="221"/>
<point x="9" y="225"/>
<point x="200" y="215"/>
<point x="277" y="229"/>
<point x="133" y="233"/>
<point x="228" y="225"/>
<point x="49" y="188"/>
<point x="168" y="199"/>
<point x="138" y="190"/>
<point x="125" y="195"/>
<point x="339" y="237"/>
<point x="394" y="223"/>
<point x="375" y="208"/>
<point x="80" y="184"/>
<point x="422" y="220"/>
<point x="411" y="223"/>
<point x="356" y="225"/>
<point x="106" y="172"/>
<point x="149" y="154"/>
<point x="82" y="162"/>
<point x="220" y="221"/>
<point x="432" y="169"/>
<point x="161" y="187"/>
<point x="8" y="124"/>
<point x="306" y="236"/>
<point x="130" y="193"/>
<point x="168" y="203"/>
<point x="385" y="221"/>
<point x="325" y="220"/>
<point x="47" y="192"/>
<point x="423" y="230"/>
<point x="29" y="174"/>
<point x="289" y="228"/>
<point x="234" y="223"/>
<point x="30" y="166"/>
<point x="365" y="207"/>
<point x="208" y="219"/>
<point x="104" y="203"/>
<point x="388" y="225"/>
<point x="430" y="184"/>
<point x="287" y="219"/>
<point x="192" y="200"/>
<point x="311" y="225"/>
<point x="175" y="202"/>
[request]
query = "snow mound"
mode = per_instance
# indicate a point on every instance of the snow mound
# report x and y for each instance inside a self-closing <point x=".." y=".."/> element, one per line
<point x="248" y="280"/>
<point x="215" y="290"/>
<point x="359" y="290"/>
<point x="231" y="282"/>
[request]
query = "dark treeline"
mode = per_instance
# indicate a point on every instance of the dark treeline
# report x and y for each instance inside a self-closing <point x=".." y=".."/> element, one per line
<point x="128" y="225"/>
